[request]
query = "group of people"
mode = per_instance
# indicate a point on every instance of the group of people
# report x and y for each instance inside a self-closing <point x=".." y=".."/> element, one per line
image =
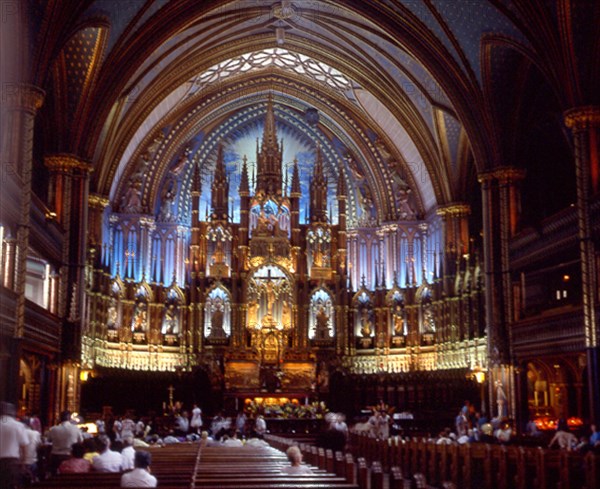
<point x="70" y="451"/>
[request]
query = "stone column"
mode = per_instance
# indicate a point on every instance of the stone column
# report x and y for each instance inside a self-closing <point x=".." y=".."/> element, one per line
<point x="69" y="197"/>
<point x="20" y="103"/>
<point x="97" y="206"/>
<point x="584" y="123"/>
<point x="455" y="227"/>
<point x="500" y="211"/>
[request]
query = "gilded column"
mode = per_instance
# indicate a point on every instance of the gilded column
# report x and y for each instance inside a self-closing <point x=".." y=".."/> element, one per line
<point x="20" y="104"/>
<point x="584" y="123"/>
<point x="500" y="212"/>
<point x="69" y="198"/>
<point x="455" y="227"/>
<point x="97" y="207"/>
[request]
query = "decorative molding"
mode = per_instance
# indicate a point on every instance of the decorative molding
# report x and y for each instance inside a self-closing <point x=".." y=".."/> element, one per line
<point x="22" y="96"/>
<point x="66" y="163"/>
<point x="582" y="118"/>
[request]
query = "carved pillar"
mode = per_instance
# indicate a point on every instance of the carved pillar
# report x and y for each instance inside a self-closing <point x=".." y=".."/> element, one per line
<point x="97" y="207"/>
<point x="455" y="227"/>
<point x="584" y="123"/>
<point x="500" y="211"/>
<point x="20" y="103"/>
<point x="69" y="197"/>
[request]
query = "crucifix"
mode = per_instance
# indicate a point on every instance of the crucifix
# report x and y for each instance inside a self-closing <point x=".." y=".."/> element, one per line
<point x="171" y="389"/>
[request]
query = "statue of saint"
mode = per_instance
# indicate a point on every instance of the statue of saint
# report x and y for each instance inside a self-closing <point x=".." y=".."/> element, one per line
<point x="166" y="210"/>
<point x="132" y="200"/>
<point x="366" y="326"/>
<point x="216" y="320"/>
<point x="405" y="211"/>
<point x="140" y="318"/>
<point x="322" y="320"/>
<point x="398" y="319"/>
<point x="271" y="296"/>
<point x="112" y="315"/>
<point x="170" y="322"/>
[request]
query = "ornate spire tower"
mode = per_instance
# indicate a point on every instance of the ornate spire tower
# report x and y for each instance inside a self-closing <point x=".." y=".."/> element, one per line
<point x="220" y="189"/>
<point x="318" y="191"/>
<point x="269" y="157"/>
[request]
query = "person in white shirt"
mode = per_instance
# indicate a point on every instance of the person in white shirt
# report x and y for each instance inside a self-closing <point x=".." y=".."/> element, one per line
<point x="140" y="476"/>
<point x="294" y="455"/>
<point x="232" y="441"/>
<point x="108" y="460"/>
<point x="13" y="439"/>
<point x="260" y="426"/>
<point x="30" y="455"/>
<point x="196" y="422"/>
<point x="139" y="428"/>
<point x="62" y="437"/>
<point x="128" y="453"/>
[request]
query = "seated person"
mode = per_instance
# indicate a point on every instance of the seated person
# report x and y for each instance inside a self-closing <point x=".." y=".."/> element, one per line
<point x="294" y="455"/>
<point x="232" y="440"/>
<point x="108" y="460"/>
<point x="91" y="449"/>
<point x="76" y="464"/>
<point x="140" y="476"/>
<point x="128" y="452"/>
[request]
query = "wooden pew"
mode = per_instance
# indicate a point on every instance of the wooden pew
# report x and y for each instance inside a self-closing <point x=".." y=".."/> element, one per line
<point x="259" y="468"/>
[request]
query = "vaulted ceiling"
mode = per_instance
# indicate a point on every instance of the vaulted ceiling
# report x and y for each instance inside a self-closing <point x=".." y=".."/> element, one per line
<point x="423" y="93"/>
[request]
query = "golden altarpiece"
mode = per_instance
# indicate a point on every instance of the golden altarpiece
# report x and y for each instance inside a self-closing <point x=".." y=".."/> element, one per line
<point x="267" y="287"/>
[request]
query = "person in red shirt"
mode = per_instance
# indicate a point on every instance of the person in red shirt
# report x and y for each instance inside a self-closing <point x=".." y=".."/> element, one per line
<point x="76" y="464"/>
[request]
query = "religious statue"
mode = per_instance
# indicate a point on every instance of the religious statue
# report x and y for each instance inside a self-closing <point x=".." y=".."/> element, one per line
<point x="219" y="255"/>
<point x="398" y="319"/>
<point x="405" y="211"/>
<point x="132" y="200"/>
<point x="170" y="321"/>
<point x="184" y="159"/>
<point x="168" y="198"/>
<point x="112" y="315"/>
<point x="140" y="318"/>
<point x="216" y="320"/>
<point x="271" y="294"/>
<point x="501" y="400"/>
<point x="322" y="326"/>
<point x="428" y="319"/>
<point x="366" y="326"/>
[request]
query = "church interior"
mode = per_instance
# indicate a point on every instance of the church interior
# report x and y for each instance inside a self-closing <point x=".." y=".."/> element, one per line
<point x="348" y="202"/>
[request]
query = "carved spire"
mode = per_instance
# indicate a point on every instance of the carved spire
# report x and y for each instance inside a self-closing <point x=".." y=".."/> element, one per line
<point x="342" y="191"/>
<point x="244" y="182"/>
<point x="269" y="158"/>
<point x="295" y="180"/>
<point x="196" y="180"/>
<point x="220" y="189"/>
<point x="318" y="191"/>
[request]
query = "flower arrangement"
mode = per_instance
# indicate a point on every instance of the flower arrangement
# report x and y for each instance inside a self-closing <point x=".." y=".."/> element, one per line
<point x="285" y="408"/>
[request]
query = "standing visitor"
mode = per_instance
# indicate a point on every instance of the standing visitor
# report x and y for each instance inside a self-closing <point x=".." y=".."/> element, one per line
<point x="13" y="439"/>
<point x="62" y="436"/>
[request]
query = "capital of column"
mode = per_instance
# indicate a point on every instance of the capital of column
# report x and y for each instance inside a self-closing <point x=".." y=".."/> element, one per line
<point x="66" y="163"/>
<point x="98" y="201"/>
<point x="504" y="174"/>
<point x="22" y="96"/>
<point x="454" y="210"/>
<point x="582" y="118"/>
